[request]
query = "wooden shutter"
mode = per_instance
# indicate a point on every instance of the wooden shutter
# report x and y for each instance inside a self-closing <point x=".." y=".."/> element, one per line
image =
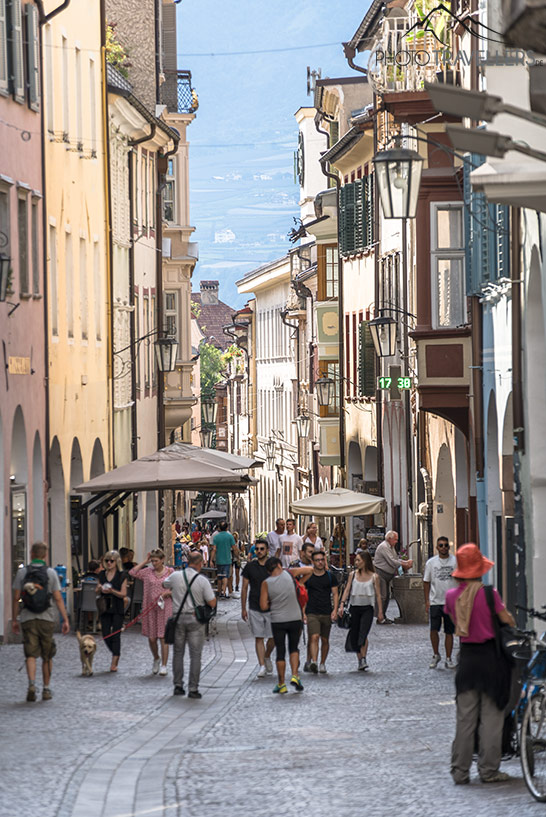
<point x="367" y="363"/>
<point x="33" y="56"/>
<point x="503" y="241"/>
<point x="169" y="37"/>
<point x="347" y="225"/>
<point x="342" y="219"/>
<point x="368" y="211"/>
<point x="358" y="243"/>
<point x="3" y="48"/>
<point x="17" y="66"/>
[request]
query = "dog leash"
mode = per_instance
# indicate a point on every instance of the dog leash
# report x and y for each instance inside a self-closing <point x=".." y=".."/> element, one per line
<point x="130" y="623"/>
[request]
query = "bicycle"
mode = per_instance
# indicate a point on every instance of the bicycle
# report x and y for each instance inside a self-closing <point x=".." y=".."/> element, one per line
<point x="532" y="703"/>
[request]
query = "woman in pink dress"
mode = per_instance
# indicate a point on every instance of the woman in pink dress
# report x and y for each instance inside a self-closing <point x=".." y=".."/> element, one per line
<point x="152" y="572"/>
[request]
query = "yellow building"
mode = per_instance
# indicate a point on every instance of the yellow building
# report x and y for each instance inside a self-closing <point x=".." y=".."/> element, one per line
<point x="78" y="271"/>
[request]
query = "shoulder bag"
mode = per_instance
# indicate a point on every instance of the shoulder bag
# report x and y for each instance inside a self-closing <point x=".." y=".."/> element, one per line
<point x="510" y="643"/>
<point x="344" y="620"/>
<point x="203" y="612"/>
<point x="172" y="621"/>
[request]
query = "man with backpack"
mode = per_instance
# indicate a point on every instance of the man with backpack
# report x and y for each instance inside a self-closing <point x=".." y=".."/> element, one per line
<point x="320" y="611"/>
<point x="36" y="586"/>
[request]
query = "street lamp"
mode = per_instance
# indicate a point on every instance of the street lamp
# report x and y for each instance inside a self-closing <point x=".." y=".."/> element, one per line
<point x="303" y="423"/>
<point x="398" y="176"/>
<point x="206" y="437"/>
<point x="325" y="390"/>
<point x="488" y="143"/>
<point x="383" y="332"/>
<point x="209" y="408"/>
<point x="166" y="350"/>
<point x="4" y="275"/>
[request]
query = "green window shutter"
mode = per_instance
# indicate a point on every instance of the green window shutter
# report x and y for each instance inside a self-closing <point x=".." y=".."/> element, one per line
<point x="359" y="216"/>
<point x="3" y="48"/>
<point x="33" y="56"/>
<point x="341" y="216"/>
<point x="366" y="362"/>
<point x="347" y="227"/>
<point x="16" y="34"/>
<point x="367" y="192"/>
<point x="503" y="241"/>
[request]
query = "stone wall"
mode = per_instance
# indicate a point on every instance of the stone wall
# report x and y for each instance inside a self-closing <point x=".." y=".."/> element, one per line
<point x="135" y="29"/>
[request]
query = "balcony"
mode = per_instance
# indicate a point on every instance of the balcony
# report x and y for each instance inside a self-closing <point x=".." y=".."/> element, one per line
<point x="177" y="92"/>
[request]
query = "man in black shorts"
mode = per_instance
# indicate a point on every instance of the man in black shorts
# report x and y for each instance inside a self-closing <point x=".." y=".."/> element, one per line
<point x="320" y="610"/>
<point x="436" y="582"/>
<point x="254" y="573"/>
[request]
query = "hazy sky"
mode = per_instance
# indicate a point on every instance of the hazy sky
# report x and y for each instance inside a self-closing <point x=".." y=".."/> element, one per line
<point x="242" y="190"/>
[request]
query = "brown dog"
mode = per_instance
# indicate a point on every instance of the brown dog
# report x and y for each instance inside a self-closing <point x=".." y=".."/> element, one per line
<point x="88" y="648"/>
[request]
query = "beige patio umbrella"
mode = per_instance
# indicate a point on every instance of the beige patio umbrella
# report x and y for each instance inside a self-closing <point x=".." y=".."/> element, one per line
<point x="338" y="502"/>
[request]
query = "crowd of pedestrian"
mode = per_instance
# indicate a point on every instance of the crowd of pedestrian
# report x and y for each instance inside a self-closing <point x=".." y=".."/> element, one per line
<point x="290" y="585"/>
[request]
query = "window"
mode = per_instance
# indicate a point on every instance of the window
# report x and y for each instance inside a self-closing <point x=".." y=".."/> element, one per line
<point x="137" y="335"/>
<point x="146" y="343"/>
<point x="15" y="63"/>
<point x="50" y="110"/>
<point x="53" y="282"/>
<point x="66" y="110"/>
<point x="92" y="108"/>
<point x="4" y="85"/>
<point x="447" y="266"/>
<point x="33" y="56"/>
<point x="83" y="288"/>
<point x="171" y="313"/>
<point x="4" y="221"/>
<point x="331" y="272"/>
<point x="22" y="226"/>
<point x="35" y="222"/>
<point x="151" y="161"/>
<point x="367" y="362"/>
<point x="144" y="169"/>
<point x="151" y="347"/>
<point x="356" y="224"/>
<point x="97" y="294"/>
<point x="331" y="369"/>
<point x="135" y="186"/>
<point x="78" y="89"/>
<point x="169" y="213"/>
<point x="69" y="284"/>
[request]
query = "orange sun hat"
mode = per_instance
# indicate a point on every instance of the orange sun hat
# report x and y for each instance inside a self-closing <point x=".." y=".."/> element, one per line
<point x="471" y="563"/>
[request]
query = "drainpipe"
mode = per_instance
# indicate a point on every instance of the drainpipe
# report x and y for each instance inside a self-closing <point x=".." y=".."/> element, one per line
<point x="350" y="54"/>
<point x="378" y="393"/>
<point x="477" y="417"/>
<point x="407" y="405"/>
<point x="42" y="20"/>
<point x="132" y="319"/>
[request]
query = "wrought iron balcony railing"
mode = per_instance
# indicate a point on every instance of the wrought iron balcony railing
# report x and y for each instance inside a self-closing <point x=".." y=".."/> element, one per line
<point x="177" y="92"/>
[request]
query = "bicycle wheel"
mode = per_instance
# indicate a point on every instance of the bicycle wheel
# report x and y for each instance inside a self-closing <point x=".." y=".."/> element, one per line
<point x="533" y="746"/>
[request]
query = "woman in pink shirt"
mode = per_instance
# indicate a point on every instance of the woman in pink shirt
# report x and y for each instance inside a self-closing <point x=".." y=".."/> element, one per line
<point x="153" y="572"/>
<point x="482" y="680"/>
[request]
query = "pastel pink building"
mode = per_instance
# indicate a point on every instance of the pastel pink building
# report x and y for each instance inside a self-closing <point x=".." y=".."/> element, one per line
<point x="22" y="331"/>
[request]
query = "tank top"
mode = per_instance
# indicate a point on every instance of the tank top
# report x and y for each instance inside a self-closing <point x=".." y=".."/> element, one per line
<point x="362" y="593"/>
<point x="282" y="595"/>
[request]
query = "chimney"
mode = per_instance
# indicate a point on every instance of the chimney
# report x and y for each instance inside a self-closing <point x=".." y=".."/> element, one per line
<point x="209" y="292"/>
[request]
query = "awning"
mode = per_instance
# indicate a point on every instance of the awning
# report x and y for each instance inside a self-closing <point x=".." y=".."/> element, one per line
<point x="338" y="502"/>
<point x="176" y="467"/>
<point x="212" y="515"/>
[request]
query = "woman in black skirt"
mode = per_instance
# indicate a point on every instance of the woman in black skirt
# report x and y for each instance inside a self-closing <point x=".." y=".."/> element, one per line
<point x="363" y="592"/>
<point x="482" y="681"/>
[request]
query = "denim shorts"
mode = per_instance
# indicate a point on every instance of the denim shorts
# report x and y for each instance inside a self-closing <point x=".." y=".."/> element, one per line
<point x="223" y="571"/>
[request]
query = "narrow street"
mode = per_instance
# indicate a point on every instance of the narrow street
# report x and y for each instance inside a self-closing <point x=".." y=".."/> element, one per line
<point x="374" y="743"/>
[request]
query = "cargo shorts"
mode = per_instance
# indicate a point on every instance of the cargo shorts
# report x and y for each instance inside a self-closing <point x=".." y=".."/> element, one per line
<point x="38" y="641"/>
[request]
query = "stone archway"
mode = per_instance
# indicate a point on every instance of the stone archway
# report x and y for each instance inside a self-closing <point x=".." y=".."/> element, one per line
<point x="355" y="483"/>
<point x="37" y="490"/>
<point x="443" y="516"/>
<point x="19" y="488"/>
<point x="96" y="544"/>
<point x="535" y="423"/>
<point x="57" y="505"/>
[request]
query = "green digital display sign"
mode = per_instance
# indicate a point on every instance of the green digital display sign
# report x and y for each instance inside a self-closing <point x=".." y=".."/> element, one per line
<point x="401" y="383"/>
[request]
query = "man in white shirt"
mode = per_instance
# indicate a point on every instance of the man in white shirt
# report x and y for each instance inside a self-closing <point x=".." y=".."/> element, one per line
<point x="436" y="582"/>
<point x="290" y="545"/>
<point x="274" y="537"/>
<point x="188" y="629"/>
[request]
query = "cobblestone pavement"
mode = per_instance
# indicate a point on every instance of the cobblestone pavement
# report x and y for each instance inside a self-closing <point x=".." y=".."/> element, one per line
<point x="352" y="743"/>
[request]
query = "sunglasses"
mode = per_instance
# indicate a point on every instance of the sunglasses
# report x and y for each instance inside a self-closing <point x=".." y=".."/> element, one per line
<point x="443" y="546"/>
<point x="260" y="550"/>
<point x="109" y="560"/>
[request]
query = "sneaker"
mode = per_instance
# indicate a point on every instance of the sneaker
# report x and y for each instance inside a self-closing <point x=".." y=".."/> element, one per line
<point x="296" y="682"/>
<point x="497" y="777"/>
<point x="46" y="694"/>
<point x="268" y="665"/>
<point x="362" y="664"/>
<point x="450" y="664"/>
<point x="155" y="666"/>
<point x="461" y="781"/>
<point x="194" y="693"/>
<point x="385" y="621"/>
<point x="435" y="661"/>
<point x="313" y="667"/>
<point x="306" y="666"/>
<point x="322" y="668"/>
<point x="31" y="694"/>
<point x="280" y="688"/>
<point x="163" y="670"/>
<point x="226" y="594"/>
<point x="261" y="673"/>
<point x="178" y="690"/>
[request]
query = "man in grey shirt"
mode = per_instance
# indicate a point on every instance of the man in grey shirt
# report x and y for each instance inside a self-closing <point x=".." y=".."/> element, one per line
<point x="188" y="629"/>
<point x="38" y="627"/>
<point x="386" y="563"/>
